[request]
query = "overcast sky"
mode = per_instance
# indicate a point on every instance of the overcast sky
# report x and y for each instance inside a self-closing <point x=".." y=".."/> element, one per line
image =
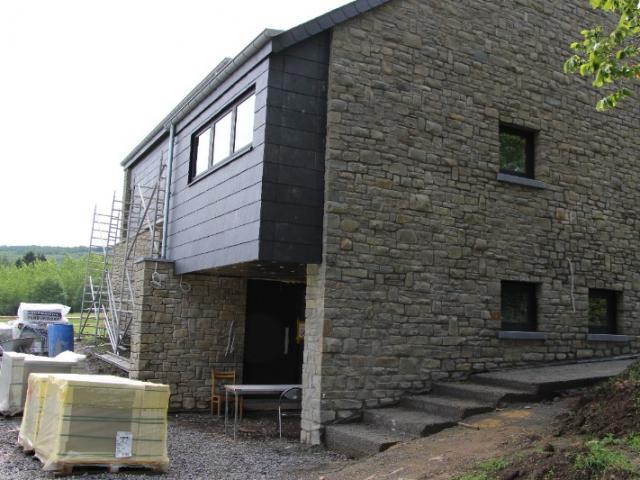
<point x="83" y="81"/>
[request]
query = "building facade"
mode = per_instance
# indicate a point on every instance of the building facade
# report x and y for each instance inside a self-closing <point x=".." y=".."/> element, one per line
<point x="394" y="193"/>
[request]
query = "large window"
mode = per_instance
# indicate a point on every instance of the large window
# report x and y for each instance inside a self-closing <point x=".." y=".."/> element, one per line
<point x="603" y="310"/>
<point x="519" y="306"/>
<point x="516" y="151"/>
<point x="230" y="133"/>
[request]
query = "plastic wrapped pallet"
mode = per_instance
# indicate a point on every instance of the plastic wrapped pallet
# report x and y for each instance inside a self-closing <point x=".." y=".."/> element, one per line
<point x="15" y="370"/>
<point x="72" y="420"/>
<point x="11" y="383"/>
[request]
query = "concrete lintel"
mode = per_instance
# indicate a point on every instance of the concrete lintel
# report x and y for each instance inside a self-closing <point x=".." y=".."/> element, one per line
<point x="526" y="182"/>
<point x="152" y="259"/>
<point x="518" y="335"/>
<point x="605" y="337"/>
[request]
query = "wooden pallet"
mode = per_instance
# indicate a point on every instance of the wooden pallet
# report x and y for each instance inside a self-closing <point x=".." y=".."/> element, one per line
<point x="66" y="468"/>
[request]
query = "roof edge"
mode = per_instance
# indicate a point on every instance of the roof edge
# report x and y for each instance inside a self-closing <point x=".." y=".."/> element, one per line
<point x="279" y="40"/>
<point x="218" y="75"/>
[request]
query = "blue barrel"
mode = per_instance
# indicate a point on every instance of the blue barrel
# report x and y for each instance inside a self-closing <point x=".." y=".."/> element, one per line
<point x="59" y="338"/>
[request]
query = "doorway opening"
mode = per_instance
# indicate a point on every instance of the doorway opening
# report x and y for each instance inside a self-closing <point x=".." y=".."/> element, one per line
<point x="274" y="333"/>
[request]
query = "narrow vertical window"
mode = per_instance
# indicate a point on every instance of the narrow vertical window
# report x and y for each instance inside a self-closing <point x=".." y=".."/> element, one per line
<point x="244" y="123"/>
<point x="516" y="151"/>
<point x="202" y="152"/>
<point x="222" y="138"/>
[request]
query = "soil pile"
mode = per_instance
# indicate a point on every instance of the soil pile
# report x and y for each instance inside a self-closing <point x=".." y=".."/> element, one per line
<point x="599" y="439"/>
<point x="610" y="408"/>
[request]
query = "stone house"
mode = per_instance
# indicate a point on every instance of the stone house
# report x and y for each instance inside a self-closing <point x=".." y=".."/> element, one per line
<point x="395" y="192"/>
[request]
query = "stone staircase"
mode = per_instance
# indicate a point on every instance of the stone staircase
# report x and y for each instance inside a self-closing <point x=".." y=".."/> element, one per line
<point x="450" y="402"/>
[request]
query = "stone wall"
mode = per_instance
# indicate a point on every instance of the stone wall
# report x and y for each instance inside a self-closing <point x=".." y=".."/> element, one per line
<point x="418" y="230"/>
<point x="181" y="331"/>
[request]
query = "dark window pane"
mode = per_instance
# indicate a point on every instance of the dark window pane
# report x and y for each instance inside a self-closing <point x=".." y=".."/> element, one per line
<point x="602" y="311"/>
<point x="518" y="306"/>
<point x="513" y="153"/>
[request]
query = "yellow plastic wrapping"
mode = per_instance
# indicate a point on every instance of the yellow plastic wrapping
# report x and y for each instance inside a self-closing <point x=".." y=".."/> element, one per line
<point x="95" y="420"/>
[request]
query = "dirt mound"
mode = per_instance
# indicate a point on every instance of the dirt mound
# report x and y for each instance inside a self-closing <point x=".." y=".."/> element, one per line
<point x="592" y="461"/>
<point x="610" y="408"/>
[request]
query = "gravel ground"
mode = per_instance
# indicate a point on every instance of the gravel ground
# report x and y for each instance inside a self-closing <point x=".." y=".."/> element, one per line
<point x="198" y="449"/>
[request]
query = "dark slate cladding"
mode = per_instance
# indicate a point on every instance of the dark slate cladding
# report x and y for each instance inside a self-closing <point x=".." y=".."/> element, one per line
<point x="215" y="219"/>
<point x="293" y="181"/>
<point x="266" y="204"/>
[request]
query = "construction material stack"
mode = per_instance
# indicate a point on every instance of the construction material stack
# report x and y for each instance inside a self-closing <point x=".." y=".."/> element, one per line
<point x="95" y="420"/>
<point x="15" y="370"/>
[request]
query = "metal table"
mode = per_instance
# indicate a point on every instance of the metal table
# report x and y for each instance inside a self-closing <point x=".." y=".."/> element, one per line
<point x="247" y="390"/>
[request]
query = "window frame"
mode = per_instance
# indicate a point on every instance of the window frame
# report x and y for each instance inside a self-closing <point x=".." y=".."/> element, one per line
<point x="532" y="307"/>
<point x="612" y="297"/>
<point x="232" y="108"/>
<point x="529" y="136"/>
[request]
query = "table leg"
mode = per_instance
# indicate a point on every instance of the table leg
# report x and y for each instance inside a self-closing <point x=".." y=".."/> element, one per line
<point x="226" y="409"/>
<point x="235" y="418"/>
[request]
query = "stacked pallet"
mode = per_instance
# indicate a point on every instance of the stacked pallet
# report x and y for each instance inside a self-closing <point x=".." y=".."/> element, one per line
<point x="95" y="420"/>
<point x="15" y="370"/>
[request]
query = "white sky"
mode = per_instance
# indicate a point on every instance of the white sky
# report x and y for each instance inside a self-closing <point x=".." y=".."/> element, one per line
<point x="83" y="81"/>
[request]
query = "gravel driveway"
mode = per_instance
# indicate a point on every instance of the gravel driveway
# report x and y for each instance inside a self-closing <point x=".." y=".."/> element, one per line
<point x="198" y="449"/>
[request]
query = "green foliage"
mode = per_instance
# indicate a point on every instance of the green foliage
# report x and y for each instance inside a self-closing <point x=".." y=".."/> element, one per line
<point x="634" y="442"/>
<point x="48" y="290"/>
<point x="42" y="282"/>
<point x="486" y="470"/>
<point x="609" y="58"/>
<point x="599" y="459"/>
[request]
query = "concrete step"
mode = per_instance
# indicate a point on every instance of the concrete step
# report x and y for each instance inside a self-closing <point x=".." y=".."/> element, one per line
<point x="359" y="440"/>
<point x="407" y="421"/>
<point x="446" y="405"/>
<point x="511" y="383"/>
<point x="552" y="379"/>
<point x="482" y="392"/>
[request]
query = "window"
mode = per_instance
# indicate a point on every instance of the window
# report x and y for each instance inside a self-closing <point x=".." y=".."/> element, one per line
<point x="516" y="151"/>
<point x="519" y="306"/>
<point x="230" y="133"/>
<point x="603" y="309"/>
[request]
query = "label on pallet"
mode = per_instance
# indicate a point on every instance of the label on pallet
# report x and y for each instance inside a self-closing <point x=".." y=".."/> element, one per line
<point x="124" y="444"/>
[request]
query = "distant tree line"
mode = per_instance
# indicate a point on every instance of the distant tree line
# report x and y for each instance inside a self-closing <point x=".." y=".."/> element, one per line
<point x="10" y="253"/>
<point x="33" y="278"/>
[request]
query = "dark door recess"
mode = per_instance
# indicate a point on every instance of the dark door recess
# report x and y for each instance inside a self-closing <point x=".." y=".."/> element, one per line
<point x="273" y="332"/>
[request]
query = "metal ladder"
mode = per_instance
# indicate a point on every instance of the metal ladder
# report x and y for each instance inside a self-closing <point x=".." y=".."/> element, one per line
<point x="144" y="215"/>
<point x="105" y="234"/>
<point x="109" y="297"/>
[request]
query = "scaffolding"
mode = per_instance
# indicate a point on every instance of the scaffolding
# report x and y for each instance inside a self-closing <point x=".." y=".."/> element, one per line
<point x="131" y="230"/>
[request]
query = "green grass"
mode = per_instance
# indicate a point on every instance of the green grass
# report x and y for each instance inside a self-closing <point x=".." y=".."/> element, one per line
<point x="486" y="470"/>
<point x="598" y="459"/>
<point x="633" y="441"/>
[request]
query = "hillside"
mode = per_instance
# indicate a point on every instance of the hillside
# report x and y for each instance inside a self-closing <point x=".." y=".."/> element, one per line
<point x="9" y="254"/>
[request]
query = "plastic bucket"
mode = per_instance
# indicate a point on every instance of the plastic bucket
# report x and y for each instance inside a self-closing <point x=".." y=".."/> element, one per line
<point x="59" y="338"/>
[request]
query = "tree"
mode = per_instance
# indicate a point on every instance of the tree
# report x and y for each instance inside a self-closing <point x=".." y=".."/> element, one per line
<point x="30" y="258"/>
<point x="610" y="58"/>
<point x="48" y="290"/>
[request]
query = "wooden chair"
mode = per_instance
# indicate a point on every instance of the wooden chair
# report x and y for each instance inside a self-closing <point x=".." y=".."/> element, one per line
<point x="220" y="378"/>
